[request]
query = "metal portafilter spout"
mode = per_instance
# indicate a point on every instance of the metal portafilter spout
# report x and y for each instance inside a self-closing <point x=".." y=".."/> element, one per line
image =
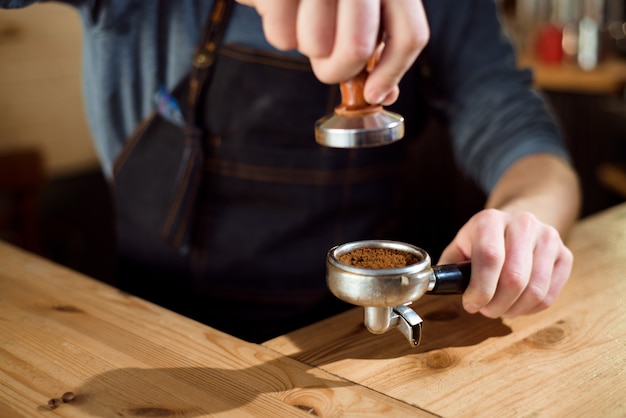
<point x="385" y="292"/>
<point x="356" y="123"/>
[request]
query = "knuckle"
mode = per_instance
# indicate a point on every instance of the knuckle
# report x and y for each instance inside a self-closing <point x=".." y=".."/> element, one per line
<point x="410" y="46"/>
<point x="553" y="233"/>
<point x="544" y="303"/>
<point x="278" y="33"/>
<point x="536" y="294"/>
<point x="285" y="44"/>
<point x="485" y="218"/>
<point x="526" y="220"/>
<point x="514" y="279"/>
<point x="417" y="40"/>
<point x="490" y="255"/>
<point x="550" y="235"/>
<point x="360" y="52"/>
<point x="279" y="41"/>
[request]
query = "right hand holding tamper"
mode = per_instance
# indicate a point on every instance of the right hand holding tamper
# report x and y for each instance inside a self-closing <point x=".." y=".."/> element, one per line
<point x="339" y="37"/>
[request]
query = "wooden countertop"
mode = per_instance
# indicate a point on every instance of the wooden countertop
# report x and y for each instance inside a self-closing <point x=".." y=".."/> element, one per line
<point x="569" y="360"/>
<point x="124" y="357"/>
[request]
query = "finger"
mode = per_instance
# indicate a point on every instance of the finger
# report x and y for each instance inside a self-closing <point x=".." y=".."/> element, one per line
<point x="560" y="275"/>
<point x="407" y="31"/>
<point x="392" y="96"/>
<point x="316" y="27"/>
<point x="279" y="22"/>
<point x="487" y="255"/>
<point x="356" y="36"/>
<point x="545" y="256"/>
<point x="520" y="243"/>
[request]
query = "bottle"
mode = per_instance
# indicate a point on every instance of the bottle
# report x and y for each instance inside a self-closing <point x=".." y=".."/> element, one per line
<point x="589" y="38"/>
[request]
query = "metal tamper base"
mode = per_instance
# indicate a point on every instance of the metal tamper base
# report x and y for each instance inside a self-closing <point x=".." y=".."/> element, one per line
<point x="355" y="123"/>
<point x="358" y="131"/>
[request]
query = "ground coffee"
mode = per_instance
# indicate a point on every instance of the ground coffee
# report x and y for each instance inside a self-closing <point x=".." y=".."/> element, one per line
<point x="378" y="258"/>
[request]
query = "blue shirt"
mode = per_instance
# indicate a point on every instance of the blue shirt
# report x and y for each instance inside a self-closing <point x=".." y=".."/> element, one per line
<point x="131" y="47"/>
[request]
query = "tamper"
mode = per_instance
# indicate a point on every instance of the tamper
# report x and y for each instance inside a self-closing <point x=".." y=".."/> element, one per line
<point x="386" y="292"/>
<point x="356" y="123"/>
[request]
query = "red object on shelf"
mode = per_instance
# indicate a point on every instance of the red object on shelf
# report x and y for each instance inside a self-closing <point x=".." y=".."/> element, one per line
<point x="549" y="44"/>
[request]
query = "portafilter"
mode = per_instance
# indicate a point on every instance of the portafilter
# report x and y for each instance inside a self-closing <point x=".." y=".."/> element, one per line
<point x="386" y="293"/>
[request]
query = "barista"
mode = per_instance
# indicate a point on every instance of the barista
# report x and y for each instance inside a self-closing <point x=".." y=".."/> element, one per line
<point x="274" y="202"/>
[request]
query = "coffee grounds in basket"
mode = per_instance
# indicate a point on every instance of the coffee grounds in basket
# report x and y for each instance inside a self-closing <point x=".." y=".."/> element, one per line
<point x="378" y="258"/>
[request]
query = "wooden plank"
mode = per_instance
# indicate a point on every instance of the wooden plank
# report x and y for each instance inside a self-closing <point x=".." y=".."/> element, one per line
<point x="569" y="360"/>
<point x="613" y="176"/>
<point x="122" y="356"/>
<point x="609" y="77"/>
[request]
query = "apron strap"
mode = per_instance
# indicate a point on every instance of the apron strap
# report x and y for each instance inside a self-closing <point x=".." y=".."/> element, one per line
<point x="204" y="55"/>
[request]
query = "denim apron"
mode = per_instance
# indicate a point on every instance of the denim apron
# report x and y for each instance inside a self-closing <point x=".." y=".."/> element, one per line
<point x="272" y="201"/>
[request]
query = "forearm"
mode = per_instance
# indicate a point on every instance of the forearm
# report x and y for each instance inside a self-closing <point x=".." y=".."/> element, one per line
<point x="542" y="184"/>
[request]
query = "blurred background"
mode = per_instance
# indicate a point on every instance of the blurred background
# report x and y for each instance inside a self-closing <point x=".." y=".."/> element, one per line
<point x="53" y="198"/>
<point x="577" y="49"/>
<point x="55" y="202"/>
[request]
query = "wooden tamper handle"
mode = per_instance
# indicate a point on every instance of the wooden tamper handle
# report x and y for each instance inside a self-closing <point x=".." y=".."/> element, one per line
<point x="353" y="101"/>
<point x="355" y="123"/>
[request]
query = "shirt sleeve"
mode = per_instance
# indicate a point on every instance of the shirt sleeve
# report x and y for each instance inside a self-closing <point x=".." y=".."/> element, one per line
<point x="16" y="4"/>
<point x="495" y="117"/>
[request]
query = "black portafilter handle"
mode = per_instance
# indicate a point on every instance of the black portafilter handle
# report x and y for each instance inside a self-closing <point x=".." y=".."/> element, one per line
<point x="451" y="278"/>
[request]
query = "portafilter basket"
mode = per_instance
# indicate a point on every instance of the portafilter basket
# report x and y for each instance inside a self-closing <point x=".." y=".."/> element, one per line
<point x="385" y="293"/>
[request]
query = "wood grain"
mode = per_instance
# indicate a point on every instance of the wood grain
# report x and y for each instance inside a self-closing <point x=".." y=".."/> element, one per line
<point x="122" y="356"/>
<point x="569" y="360"/>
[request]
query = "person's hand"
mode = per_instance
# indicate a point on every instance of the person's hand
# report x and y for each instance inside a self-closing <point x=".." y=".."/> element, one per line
<point x="519" y="264"/>
<point x="339" y="37"/>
